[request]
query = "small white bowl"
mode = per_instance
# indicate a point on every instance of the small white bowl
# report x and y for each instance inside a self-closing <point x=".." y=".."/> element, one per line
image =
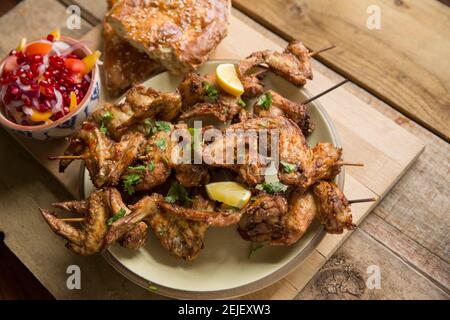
<point x="68" y="124"/>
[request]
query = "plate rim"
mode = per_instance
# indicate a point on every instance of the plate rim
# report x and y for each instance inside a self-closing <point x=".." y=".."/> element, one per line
<point x="245" y="289"/>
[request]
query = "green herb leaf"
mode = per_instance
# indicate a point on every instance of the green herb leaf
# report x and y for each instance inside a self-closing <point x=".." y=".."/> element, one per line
<point x="119" y="215"/>
<point x="138" y="168"/>
<point x="151" y="166"/>
<point x="161" y="144"/>
<point x="288" y="167"/>
<point x="130" y="181"/>
<point x="163" y="126"/>
<point x="211" y="92"/>
<point x="103" y="129"/>
<point x="265" y="101"/>
<point x="156" y="126"/>
<point x="242" y="103"/>
<point x="106" y="116"/>
<point x="274" y="187"/>
<point x="254" y="248"/>
<point x="178" y="193"/>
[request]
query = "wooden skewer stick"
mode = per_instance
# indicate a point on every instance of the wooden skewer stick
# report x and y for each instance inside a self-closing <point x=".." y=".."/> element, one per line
<point x="362" y="200"/>
<point x="314" y="53"/>
<point x="73" y="219"/>
<point x="352" y="164"/>
<point x="325" y="92"/>
<point x="66" y="157"/>
<point x="258" y="73"/>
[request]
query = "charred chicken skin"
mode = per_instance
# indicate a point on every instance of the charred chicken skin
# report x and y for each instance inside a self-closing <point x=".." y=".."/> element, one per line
<point x="278" y="220"/>
<point x="293" y="64"/>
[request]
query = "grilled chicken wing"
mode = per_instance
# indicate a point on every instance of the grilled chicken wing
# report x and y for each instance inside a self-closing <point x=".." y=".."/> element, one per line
<point x="281" y="106"/>
<point x="182" y="237"/>
<point x="308" y="165"/>
<point x="280" y="221"/>
<point x="89" y="239"/>
<point x="293" y="64"/>
<point x="333" y="208"/>
<point x="202" y="97"/>
<point x="106" y="160"/>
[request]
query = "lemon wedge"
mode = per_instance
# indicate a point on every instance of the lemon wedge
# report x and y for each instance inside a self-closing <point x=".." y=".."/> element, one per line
<point x="228" y="79"/>
<point x="230" y="193"/>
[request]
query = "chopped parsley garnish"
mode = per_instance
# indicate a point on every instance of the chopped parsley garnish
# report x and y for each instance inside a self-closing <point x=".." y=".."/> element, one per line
<point x="254" y="248"/>
<point x="265" y="101"/>
<point x="178" y="193"/>
<point x="138" y="168"/>
<point x="161" y="144"/>
<point x="106" y="116"/>
<point x="151" y="166"/>
<point x="119" y="215"/>
<point x="129" y="181"/>
<point x="242" y="103"/>
<point x="211" y="92"/>
<point x="288" y="167"/>
<point x="156" y="126"/>
<point x="274" y="187"/>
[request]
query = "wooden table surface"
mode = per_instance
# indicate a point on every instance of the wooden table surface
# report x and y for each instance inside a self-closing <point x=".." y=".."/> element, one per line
<point x="401" y="70"/>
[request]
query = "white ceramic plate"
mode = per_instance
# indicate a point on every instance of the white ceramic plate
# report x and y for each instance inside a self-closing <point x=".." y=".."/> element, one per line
<point x="223" y="269"/>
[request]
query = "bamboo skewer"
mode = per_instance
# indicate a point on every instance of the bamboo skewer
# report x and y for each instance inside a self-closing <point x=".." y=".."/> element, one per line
<point x="325" y="92"/>
<point x="73" y="219"/>
<point x="351" y="164"/>
<point x="314" y="53"/>
<point x="66" y="157"/>
<point x="362" y="200"/>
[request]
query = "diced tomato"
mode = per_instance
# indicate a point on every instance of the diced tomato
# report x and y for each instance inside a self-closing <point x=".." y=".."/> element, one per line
<point x="10" y="64"/>
<point x="40" y="48"/>
<point x="77" y="66"/>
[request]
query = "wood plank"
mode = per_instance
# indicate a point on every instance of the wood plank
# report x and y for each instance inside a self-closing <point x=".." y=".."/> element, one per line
<point x="421" y="195"/>
<point x="32" y="21"/>
<point x="411" y="74"/>
<point x="430" y="265"/>
<point x="7" y="5"/>
<point x="17" y="282"/>
<point x="344" y="276"/>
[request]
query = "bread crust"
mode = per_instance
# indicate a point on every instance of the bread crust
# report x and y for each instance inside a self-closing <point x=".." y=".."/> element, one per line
<point x="124" y="65"/>
<point x="179" y="34"/>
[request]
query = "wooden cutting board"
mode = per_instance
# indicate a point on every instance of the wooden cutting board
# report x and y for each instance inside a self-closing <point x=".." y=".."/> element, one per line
<point x="386" y="149"/>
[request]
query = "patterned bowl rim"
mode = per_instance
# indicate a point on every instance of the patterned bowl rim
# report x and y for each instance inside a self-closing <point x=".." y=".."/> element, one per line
<point x="86" y="51"/>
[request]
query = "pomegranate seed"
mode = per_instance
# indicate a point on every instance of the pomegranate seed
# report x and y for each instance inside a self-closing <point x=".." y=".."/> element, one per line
<point x="50" y="37"/>
<point x="13" y="78"/>
<point x="35" y="70"/>
<point x="26" y="101"/>
<point x="14" y="91"/>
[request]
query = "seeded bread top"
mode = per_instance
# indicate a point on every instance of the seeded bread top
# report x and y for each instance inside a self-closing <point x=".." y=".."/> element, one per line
<point x="179" y="34"/>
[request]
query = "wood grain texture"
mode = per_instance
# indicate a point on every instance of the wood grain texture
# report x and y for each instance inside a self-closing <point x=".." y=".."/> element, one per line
<point x="345" y="275"/>
<point x="405" y="63"/>
<point x="16" y="281"/>
<point x="294" y="280"/>
<point x="416" y="209"/>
